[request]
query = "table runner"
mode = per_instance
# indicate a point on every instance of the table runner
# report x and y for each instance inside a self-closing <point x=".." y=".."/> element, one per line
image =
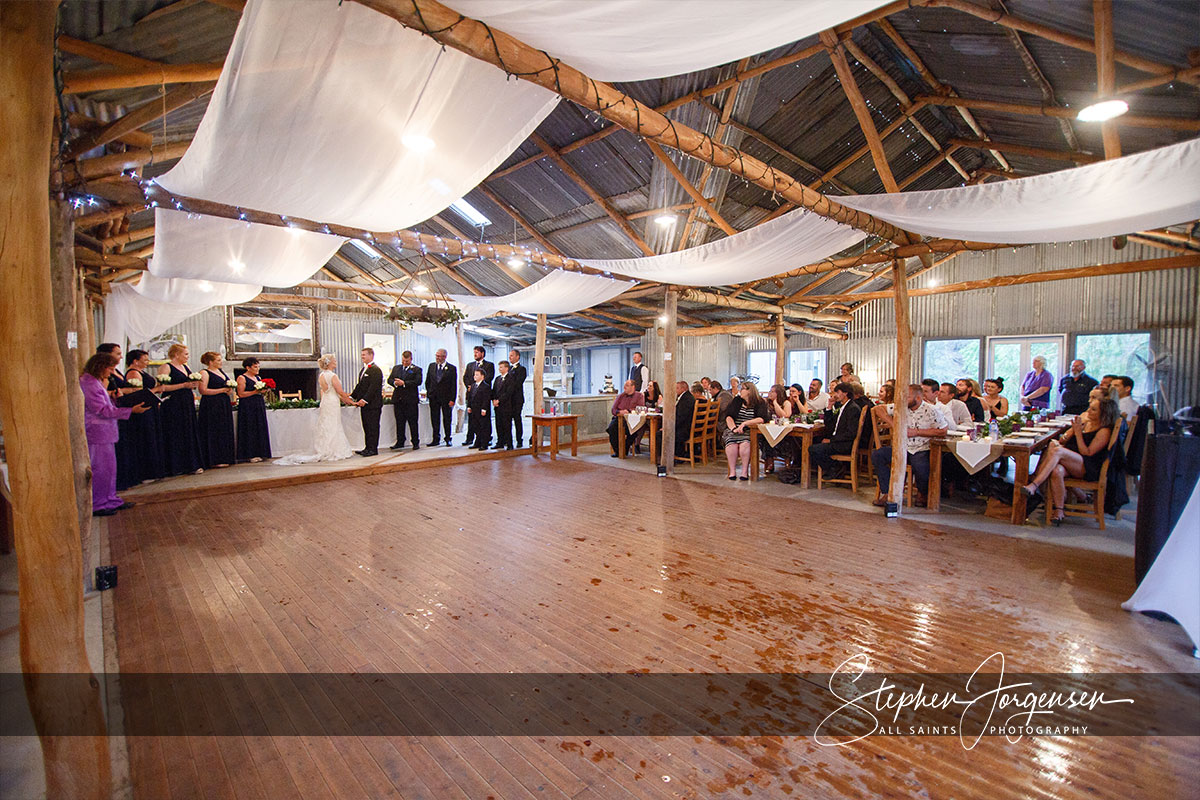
<point x="974" y="456"/>
<point x="773" y="433"/>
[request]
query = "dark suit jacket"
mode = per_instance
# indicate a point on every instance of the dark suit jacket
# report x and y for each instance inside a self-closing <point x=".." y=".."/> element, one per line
<point x="506" y="389"/>
<point x="685" y="408"/>
<point x="489" y="373"/>
<point x="441" y="391"/>
<point x="479" y="398"/>
<point x="846" y="425"/>
<point x="518" y="374"/>
<point x="410" y="392"/>
<point x="370" y="387"/>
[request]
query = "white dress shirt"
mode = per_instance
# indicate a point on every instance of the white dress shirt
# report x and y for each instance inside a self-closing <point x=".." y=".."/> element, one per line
<point x="956" y="410"/>
<point x="818" y="403"/>
<point x="1129" y="407"/>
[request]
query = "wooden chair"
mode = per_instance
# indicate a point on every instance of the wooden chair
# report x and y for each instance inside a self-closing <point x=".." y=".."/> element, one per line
<point x="703" y="419"/>
<point x="1130" y="481"/>
<point x="851" y="459"/>
<point x="291" y="395"/>
<point x="882" y="437"/>
<point x="1096" y="488"/>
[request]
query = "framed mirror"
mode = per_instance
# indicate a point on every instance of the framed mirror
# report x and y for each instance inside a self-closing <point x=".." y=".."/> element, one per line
<point x="272" y="331"/>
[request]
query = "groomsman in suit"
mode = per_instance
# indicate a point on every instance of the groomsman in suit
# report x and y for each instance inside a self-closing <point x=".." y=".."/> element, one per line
<point x="406" y="399"/>
<point x="369" y="394"/>
<point x="504" y="400"/>
<point x="441" y="385"/>
<point x="489" y="374"/>
<point x="517" y="373"/>
<point x="479" y="411"/>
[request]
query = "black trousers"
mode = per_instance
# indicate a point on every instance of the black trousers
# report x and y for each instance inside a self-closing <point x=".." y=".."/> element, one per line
<point x="479" y="428"/>
<point x="407" y="412"/>
<point x="441" y="416"/>
<point x="370" y="423"/>
<point x="518" y="425"/>
<point x="504" y="426"/>
<point x="614" y="431"/>
<point x="821" y="454"/>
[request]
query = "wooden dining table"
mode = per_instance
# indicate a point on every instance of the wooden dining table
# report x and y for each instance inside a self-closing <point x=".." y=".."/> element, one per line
<point x="653" y="421"/>
<point x="804" y="437"/>
<point x="1020" y="453"/>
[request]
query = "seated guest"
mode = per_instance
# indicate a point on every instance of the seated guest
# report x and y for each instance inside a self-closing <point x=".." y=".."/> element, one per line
<point x="778" y="402"/>
<point x="706" y="383"/>
<point x="887" y="394"/>
<point x="951" y="407"/>
<point x="995" y="405"/>
<point x="795" y="394"/>
<point x="654" y="401"/>
<point x="253" y="436"/>
<point x="1035" y="388"/>
<point x="685" y="409"/>
<point x="1074" y="388"/>
<point x="842" y="427"/>
<point x="929" y="391"/>
<point x="1079" y="454"/>
<point x="214" y="420"/>
<point x="140" y="445"/>
<point x="966" y="390"/>
<point x="100" y="426"/>
<point x="1106" y="381"/>
<point x="479" y="416"/>
<point x="859" y="397"/>
<point x="735" y="384"/>
<point x="722" y="397"/>
<point x="1125" y="402"/>
<point x="748" y="408"/>
<point x="817" y="400"/>
<point x="629" y="399"/>
<point x="924" y="421"/>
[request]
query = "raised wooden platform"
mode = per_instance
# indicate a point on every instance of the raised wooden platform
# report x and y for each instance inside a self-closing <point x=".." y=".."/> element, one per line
<point x="528" y="566"/>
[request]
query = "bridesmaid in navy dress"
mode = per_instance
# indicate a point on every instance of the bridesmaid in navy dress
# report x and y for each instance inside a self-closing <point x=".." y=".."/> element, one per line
<point x="253" y="438"/>
<point x="181" y="448"/>
<point x="215" y="419"/>
<point x="141" y="435"/>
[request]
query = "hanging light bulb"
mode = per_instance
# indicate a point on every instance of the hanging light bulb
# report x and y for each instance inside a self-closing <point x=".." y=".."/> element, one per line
<point x="665" y="220"/>
<point x="420" y="287"/>
<point x="516" y="262"/>
<point x="1102" y="110"/>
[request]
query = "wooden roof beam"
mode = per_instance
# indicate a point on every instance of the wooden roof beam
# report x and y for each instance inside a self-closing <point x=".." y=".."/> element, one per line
<point x="1132" y="120"/>
<point x="139" y="117"/>
<point x="863" y="114"/>
<point x="1106" y="71"/>
<point x="156" y="75"/>
<point x="698" y="197"/>
<point x="1025" y="150"/>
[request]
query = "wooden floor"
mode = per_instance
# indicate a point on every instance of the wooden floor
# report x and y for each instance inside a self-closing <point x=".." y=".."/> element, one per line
<point x="530" y="566"/>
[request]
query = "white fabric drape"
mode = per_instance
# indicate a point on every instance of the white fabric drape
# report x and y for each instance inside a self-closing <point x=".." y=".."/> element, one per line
<point x="790" y="241"/>
<point x="1147" y="190"/>
<point x="309" y="114"/>
<point x="1171" y="585"/>
<point x="218" y="249"/>
<point x="632" y="40"/>
<point x="560" y="292"/>
<point x="139" y="312"/>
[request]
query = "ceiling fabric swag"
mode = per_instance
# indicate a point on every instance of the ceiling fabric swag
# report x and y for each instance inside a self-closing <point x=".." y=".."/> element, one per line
<point x="1110" y="198"/>
<point x="559" y="292"/>
<point x="796" y="238"/>
<point x="139" y="312"/>
<point x="335" y="112"/>
<point x="633" y="40"/>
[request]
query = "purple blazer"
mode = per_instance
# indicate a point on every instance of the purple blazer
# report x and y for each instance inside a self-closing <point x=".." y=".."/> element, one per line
<point x="99" y="414"/>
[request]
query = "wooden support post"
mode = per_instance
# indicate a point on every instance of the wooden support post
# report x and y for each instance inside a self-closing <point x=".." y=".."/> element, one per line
<point x="1106" y="71"/>
<point x="539" y="366"/>
<point x="34" y="413"/>
<point x="780" y="350"/>
<point x="903" y="379"/>
<point x="666" y="454"/>
<point x="461" y="390"/>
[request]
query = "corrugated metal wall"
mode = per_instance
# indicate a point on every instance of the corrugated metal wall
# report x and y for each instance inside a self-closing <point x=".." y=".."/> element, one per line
<point x="1165" y="303"/>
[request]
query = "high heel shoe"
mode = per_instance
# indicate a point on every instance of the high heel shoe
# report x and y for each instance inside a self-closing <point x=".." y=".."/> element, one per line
<point x="1057" y="521"/>
<point x="1027" y="492"/>
<point x="733" y="477"/>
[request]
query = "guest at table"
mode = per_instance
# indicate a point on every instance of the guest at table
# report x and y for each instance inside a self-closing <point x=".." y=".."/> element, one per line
<point x="848" y="375"/>
<point x="929" y="391"/>
<point x="706" y="382"/>
<point x="181" y="446"/>
<point x="441" y="385"/>
<point x="967" y="390"/>
<point x="1074" y="387"/>
<point x="1106" y="381"/>
<point x="140" y="447"/>
<point x="858" y="396"/>
<point x="951" y="407"/>
<point x="1125" y="402"/>
<point x="654" y="402"/>
<point x="796" y="396"/>
<point x="698" y="391"/>
<point x="723" y="397"/>
<point x="778" y="403"/>
<point x="842" y="424"/>
<point x="405" y="380"/>
<point x="995" y="405"/>
<point x="504" y="404"/>
<point x="685" y="410"/>
<point x="629" y="399"/>
<point x="748" y="408"/>
<point x="887" y="394"/>
<point x="479" y="412"/>
<point x="100" y="426"/>
<point x="735" y="384"/>
<point x="1035" y="388"/>
<point x="253" y="435"/>
<point x="817" y="399"/>
<point x="1080" y="453"/>
<point x="214" y="422"/>
<point x="518" y="374"/>
<point x="924" y="421"/>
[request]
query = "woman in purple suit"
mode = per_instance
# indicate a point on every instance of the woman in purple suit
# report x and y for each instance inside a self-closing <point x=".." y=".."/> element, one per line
<point x="100" y="422"/>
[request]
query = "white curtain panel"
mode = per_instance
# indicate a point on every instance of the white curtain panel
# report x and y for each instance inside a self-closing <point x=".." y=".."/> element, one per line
<point x="1148" y="190"/>
<point x="310" y="113"/>
<point x="139" y="312"/>
<point x="560" y="292"/>
<point x="218" y="249"/>
<point x="633" y="40"/>
<point x="785" y="243"/>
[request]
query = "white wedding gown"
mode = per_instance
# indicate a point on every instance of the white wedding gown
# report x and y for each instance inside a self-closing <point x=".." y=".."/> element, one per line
<point x="330" y="439"/>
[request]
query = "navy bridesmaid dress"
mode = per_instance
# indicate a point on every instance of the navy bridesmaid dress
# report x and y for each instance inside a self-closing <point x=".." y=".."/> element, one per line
<point x="216" y="424"/>
<point x="253" y="437"/>
<point x="181" y="448"/>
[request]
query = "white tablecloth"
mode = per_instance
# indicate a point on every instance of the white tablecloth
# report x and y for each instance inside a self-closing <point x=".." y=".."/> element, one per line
<point x="292" y="428"/>
<point x="774" y="433"/>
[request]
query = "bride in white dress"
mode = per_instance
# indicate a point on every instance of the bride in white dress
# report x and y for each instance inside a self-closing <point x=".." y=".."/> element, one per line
<point x="329" y="438"/>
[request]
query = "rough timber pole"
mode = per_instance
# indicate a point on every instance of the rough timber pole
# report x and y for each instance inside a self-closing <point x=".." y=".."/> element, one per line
<point x="36" y="424"/>
<point x="1106" y="74"/>
<point x="667" y="454"/>
<point x="539" y="367"/>
<point x="903" y="379"/>
<point x="780" y="352"/>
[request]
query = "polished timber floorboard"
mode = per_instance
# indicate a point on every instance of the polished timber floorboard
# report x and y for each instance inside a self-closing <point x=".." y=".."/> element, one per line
<point x="525" y="566"/>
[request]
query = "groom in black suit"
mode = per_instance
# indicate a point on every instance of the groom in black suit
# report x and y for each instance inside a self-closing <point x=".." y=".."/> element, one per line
<point x="369" y="394"/>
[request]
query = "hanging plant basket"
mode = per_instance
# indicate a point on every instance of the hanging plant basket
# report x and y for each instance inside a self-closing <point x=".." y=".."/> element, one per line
<point x="440" y="317"/>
